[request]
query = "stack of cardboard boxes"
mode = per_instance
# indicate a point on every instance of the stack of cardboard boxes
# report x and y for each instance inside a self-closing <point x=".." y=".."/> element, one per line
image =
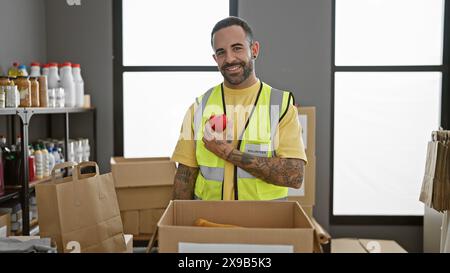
<point x="144" y="189"/>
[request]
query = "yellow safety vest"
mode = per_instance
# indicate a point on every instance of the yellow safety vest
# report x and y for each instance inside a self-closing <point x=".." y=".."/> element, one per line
<point x="257" y="139"/>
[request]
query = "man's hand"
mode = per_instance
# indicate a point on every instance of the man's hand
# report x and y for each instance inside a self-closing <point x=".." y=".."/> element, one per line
<point x="219" y="143"/>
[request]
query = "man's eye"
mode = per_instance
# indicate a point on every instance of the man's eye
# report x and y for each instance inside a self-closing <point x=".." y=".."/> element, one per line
<point x="220" y="53"/>
<point x="237" y="48"/>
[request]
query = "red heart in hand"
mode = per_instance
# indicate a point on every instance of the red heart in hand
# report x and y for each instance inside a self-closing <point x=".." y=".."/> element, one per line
<point x="218" y="123"/>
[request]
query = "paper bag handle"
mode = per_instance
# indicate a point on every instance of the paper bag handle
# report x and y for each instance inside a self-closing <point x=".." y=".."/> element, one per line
<point x="64" y="165"/>
<point x="87" y="164"/>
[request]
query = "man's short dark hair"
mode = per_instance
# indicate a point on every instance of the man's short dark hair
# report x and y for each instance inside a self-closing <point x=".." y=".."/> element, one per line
<point x="233" y="21"/>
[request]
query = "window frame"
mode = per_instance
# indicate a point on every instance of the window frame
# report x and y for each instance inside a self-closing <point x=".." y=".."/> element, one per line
<point x="445" y="119"/>
<point x="119" y="69"/>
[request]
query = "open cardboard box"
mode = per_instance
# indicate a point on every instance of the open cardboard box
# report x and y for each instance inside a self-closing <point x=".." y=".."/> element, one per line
<point x="267" y="226"/>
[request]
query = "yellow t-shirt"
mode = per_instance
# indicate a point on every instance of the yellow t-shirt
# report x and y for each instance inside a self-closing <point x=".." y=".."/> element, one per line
<point x="239" y="103"/>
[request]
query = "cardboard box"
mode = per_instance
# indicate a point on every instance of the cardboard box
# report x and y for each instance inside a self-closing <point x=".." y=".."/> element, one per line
<point x="306" y="195"/>
<point x="270" y="226"/>
<point x="5" y="225"/>
<point x="307" y="119"/>
<point x="308" y="210"/>
<point x="353" y="245"/>
<point x="143" y="183"/>
<point x="144" y="197"/>
<point x="130" y="220"/>
<point x="148" y="219"/>
<point x="142" y="172"/>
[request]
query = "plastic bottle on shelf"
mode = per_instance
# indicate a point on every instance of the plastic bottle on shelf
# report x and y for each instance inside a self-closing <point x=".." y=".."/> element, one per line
<point x="45" y="160"/>
<point x="13" y="70"/>
<point x="22" y="70"/>
<point x="71" y="151"/>
<point x="53" y="76"/>
<point x="79" y="151"/>
<point x="86" y="149"/>
<point x="60" y="97"/>
<point x="45" y="69"/>
<point x="12" y="96"/>
<point x="67" y="82"/>
<point x="51" y="160"/>
<point x="79" y="85"/>
<point x="39" y="163"/>
<point x="31" y="164"/>
<point x="61" y="155"/>
<point x="35" y="69"/>
<point x="35" y="102"/>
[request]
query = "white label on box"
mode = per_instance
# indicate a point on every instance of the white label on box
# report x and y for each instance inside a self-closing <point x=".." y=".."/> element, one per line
<point x="303" y="119"/>
<point x="297" y="192"/>
<point x="233" y="248"/>
<point x="3" y="231"/>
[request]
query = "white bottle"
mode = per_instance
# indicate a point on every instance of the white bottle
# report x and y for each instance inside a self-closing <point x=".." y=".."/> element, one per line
<point x="39" y="160"/>
<point x="45" y="160"/>
<point x="79" y="85"/>
<point x="56" y="156"/>
<point x="68" y="84"/>
<point x="35" y="70"/>
<point x="45" y="69"/>
<point x="86" y="150"/>
<point x="71" y="151"/>
<point x="53" y="76"/>
<point x="79" y="151"/>
<point x="59" y="97"/>
<point x="51" y="160"/>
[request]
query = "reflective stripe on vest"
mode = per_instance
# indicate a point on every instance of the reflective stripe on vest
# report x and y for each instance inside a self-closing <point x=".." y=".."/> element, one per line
<point x="211" y="173"/>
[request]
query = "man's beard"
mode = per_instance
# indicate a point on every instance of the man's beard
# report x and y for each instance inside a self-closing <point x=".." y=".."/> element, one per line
<point x="236" y="80"/>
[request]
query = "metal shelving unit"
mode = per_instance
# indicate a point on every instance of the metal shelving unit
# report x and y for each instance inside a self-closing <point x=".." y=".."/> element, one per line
<point x="25" y="115"/>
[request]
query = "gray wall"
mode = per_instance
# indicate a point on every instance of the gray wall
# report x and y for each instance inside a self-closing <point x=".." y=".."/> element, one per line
<point x="23" y="39"/>
<point x="83" y="34"/>
<point x="22" y="30"/>
<point x="295" y="39"/>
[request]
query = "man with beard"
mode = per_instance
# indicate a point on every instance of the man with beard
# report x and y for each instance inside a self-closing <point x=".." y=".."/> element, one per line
<point x="260" y="153"/>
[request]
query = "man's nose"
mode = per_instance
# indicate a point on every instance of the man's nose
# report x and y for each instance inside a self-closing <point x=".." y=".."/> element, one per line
<point x="229" y="57"/>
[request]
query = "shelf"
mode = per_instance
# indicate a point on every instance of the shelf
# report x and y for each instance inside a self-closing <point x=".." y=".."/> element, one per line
<point x="42" y="110"/>
<point x="8" y="196"/>
<point x="33" y="183"/>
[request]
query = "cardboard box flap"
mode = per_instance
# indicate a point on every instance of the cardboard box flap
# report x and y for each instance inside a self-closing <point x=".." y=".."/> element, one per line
<point x="251" y="214"/>
<point x="142" y="172"/>
<point x="273" y="223"/>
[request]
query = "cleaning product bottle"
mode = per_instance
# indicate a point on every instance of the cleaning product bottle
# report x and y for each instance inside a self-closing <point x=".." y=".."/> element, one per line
<point x="13" y="70"/>
<point x="51" y="160"/>
<point x="45" y="160"/>
<point x="68" y="84"/>
<point x="79" y="85"/>
<point x="22" y="70"/>
<point x="35" y="69"/>
<point x="39" y="163"/>
<point x="31" y="164"/>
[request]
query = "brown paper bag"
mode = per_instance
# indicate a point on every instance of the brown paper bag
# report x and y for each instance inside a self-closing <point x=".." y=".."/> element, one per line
<point x="83" y="209"/>
<point x="426" y="193"/>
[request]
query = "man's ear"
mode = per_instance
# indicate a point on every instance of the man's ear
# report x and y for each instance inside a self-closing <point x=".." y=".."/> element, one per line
<point x="214" y="57"/>
<point x="255" y="49"/>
